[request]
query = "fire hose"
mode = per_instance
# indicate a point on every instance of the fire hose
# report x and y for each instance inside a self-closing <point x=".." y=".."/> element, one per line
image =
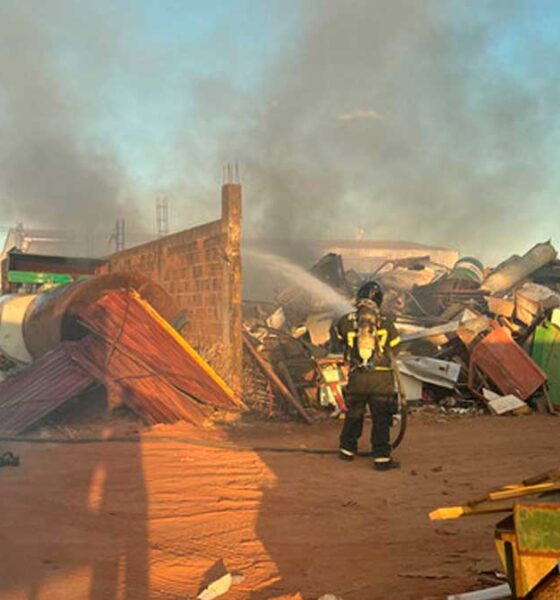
<point x="403" y="404"/>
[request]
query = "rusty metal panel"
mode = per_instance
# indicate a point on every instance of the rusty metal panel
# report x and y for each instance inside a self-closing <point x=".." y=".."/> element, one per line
<point x="122" y="320"/>
<point x="142" y="389"/>
<point x="39" y="389"/>
<point x="53" y="316"/>
<point x="134" y="352"/>
<point x="498" y="358"/>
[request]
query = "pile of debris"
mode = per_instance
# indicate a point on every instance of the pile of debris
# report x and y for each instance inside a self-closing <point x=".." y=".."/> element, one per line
<point x="108" y="331"/>
<point x="473" y="339"/>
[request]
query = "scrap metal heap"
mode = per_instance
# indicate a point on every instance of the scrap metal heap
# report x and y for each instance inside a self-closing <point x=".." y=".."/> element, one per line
<point x="473" y="339"/>
<point x="111" y="330"/>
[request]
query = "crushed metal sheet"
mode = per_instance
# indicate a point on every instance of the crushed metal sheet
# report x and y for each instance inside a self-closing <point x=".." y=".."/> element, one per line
<point x="430" y="370"/>
<point x="39" y="389"/>
<point x="517" y="268"/>
<point x="412" y="387"/>
<point x="500" y="360"/>
<point x="447" y="329"/>
<point x="128" y="323"/>
<point x="532" y="300"/>
<point x="142" y="389"/>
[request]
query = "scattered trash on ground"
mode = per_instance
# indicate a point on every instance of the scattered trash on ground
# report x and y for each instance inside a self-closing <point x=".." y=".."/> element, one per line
<point x="220" y="586"/>
<point x="494" y="593"/>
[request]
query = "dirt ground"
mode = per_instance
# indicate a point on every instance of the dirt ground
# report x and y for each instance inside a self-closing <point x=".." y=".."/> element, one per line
<point x="161" y="518"/>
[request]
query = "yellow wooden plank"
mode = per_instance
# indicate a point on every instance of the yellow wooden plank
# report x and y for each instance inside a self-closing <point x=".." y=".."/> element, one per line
<point x="455" y="512"/>
<point x="190" y="351"/>
<point x="448" y="512"/>
<point x="522" y="491"/>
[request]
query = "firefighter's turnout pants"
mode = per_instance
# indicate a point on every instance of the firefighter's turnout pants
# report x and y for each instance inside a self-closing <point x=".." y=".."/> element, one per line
<point x="375" y="390"/>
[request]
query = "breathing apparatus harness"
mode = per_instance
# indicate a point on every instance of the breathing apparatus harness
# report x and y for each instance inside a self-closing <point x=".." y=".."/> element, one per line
<point x="365" y="348"/>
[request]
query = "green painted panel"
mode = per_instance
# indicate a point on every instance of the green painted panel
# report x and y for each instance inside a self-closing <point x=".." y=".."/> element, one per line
<point x="538" y="529"/>
<point x="40" y="278"/>
<point x="546" y="353"/>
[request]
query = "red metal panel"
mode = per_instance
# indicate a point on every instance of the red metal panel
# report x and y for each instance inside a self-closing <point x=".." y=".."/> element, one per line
<point x="132" y="354"/>
<point x="39" y="389"/>
<point x="506" y="365"/>
<point x="146" y="392"/>
<point x="124" y="323"/>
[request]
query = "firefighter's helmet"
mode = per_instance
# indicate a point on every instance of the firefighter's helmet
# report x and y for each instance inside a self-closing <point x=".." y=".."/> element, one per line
<point x="371" y="290"/>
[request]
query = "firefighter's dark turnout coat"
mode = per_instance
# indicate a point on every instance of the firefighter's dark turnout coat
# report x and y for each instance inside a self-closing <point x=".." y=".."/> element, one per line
<point x="371" y="383"/>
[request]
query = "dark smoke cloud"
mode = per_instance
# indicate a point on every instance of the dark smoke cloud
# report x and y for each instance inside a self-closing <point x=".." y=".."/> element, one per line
<point x="53" y="170"/>
<point x="430" y="121"/>
<point x="427" y="121"/>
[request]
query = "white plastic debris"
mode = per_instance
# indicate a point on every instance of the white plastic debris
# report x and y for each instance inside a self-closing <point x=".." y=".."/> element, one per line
<point x="501" y="405"/>
<point x="219" y="587"/>
<point x="277" y="319"/>
<point x="494" y="593"/>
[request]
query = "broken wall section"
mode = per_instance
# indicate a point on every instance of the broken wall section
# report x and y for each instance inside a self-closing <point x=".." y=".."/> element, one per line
<point x="201" y="269"/>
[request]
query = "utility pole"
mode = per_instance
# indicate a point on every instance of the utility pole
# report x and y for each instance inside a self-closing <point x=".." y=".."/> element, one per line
<point x="119" y="235"/>
<point x="89" y="241"/>
<point x="162" y="217"/>
<point x="20" y="237"/>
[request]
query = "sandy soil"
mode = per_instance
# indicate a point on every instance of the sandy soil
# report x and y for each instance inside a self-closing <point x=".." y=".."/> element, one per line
<point x="159" y="519"/>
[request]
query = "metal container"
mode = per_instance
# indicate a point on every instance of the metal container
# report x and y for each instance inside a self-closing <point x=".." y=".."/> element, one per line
<point x="32" y="325"/>
<point x="469" y="269"/>
<point x="13" y="309"/>
<point x="518" y="268"/>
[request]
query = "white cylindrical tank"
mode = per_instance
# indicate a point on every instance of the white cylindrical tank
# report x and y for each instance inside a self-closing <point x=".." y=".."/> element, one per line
<point x="518" y="268"/>
<point x="13" y="308"/>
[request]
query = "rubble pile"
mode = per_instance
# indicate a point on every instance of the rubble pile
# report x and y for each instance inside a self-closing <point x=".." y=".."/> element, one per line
<point x="473" y="339"/>
<point x="105" y="333"/>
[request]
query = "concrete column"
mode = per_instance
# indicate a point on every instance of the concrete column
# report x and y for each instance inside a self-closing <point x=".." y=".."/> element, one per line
<point x="231" y="305"/>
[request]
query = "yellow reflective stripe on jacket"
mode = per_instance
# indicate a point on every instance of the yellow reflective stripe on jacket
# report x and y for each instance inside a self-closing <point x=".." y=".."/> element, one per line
<point x="395" y="341"/>
<point x="382" y="335"/>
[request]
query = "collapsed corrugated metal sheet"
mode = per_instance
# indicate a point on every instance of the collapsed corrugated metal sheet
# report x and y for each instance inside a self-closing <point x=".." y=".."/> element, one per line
<point x="127" y="323"/>
<point x="499" y="359"/>
<point x="145" y="391"/>
<point x="39" y="389"/>
<point x="135" y="353"/>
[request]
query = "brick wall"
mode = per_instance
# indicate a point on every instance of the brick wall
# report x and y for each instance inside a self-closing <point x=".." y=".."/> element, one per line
<point x="201" y="269"/>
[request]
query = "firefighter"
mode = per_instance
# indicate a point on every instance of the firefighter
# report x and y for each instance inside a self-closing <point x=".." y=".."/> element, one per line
<point x="368" y="336"/>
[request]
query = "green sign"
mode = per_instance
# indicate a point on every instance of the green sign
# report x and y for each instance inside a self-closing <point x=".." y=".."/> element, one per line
<point x="41" y="278"/>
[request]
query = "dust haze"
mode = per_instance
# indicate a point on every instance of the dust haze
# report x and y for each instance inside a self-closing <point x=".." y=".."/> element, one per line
<point x="433" y="122"/>
<point x="54" y="171"/>
<point x="420" y="121"/>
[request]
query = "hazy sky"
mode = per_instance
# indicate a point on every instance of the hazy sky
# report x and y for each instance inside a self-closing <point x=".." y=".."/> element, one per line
<point x="431" y="121"/>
